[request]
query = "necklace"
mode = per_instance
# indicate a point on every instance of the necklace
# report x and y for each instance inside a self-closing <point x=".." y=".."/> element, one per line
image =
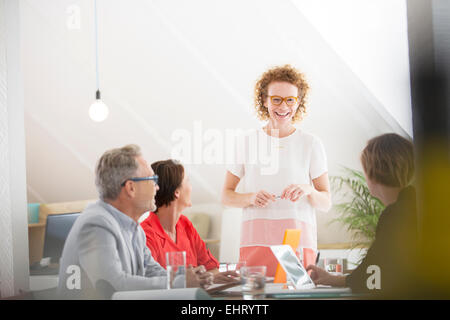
<point x="268" y="131"/>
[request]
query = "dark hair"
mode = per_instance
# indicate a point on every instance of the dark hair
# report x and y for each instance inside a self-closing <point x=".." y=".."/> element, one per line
<point x="170" y="176"/>
<point x="389" y="160"/>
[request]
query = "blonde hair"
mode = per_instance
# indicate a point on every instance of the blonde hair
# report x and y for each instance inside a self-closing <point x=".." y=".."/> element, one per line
<point x="389" y="160"/>
<point x="285" y="73"/>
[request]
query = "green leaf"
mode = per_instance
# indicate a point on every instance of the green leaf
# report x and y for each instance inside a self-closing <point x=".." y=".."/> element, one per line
<point x="359" y="211"/>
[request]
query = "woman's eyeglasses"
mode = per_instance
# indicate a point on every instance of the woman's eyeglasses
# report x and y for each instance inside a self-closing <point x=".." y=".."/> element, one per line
<point x="154" y="178"/>
<point x="277" y="100"/>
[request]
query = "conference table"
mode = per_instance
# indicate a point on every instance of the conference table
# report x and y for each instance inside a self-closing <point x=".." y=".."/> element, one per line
<point x="277" y="291"/>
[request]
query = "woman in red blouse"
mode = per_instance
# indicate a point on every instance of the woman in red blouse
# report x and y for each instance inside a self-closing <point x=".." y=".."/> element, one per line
<point x="168" y="230"/>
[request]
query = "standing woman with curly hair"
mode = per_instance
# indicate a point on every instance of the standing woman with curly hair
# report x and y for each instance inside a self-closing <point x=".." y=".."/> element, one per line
<point x="285" y="198"/>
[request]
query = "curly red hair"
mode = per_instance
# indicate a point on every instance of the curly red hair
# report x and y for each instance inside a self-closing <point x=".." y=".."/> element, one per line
<point x="285" y="73"/>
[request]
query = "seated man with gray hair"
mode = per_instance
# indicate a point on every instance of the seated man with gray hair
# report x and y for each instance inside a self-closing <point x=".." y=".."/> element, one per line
<point x="106" y="250"/>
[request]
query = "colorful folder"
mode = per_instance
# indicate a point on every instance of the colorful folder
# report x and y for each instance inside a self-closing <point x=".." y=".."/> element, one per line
<point x="292" y="238"/>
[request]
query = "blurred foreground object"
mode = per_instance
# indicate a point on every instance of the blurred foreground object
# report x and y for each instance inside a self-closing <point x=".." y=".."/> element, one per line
<point x="429" y="53"/>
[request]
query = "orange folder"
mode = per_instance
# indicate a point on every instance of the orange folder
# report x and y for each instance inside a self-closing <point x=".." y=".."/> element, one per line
<point x="292" y="238"/>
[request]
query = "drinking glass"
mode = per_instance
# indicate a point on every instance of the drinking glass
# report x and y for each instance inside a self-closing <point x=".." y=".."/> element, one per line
<point x="334" y="265"/>
<point x="253" y="281"/>
<point x="176" y="269"/>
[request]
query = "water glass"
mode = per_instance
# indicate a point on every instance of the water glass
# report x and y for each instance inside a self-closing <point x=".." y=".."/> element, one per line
<point x="176" y="269"/>
<point x="253" y="281"/>
<point x="334" y="265"/>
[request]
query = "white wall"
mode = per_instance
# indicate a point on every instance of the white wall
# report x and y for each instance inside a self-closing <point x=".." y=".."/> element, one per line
<point x="6" y="263"/>
<point x="166" y="66"/>
<point x="13" y="211"/>
<point x="371" y="37"/>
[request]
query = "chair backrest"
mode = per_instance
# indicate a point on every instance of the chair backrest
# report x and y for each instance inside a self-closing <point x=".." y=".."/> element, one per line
<point x="62" y="207"/>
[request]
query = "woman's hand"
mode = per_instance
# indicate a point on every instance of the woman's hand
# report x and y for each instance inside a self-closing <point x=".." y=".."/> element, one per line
<point x="296" y="191"/>
<point x="261" y="199"/>
<point x="205" y="279"/>
<point x="198" y="277"/>
<point x="320" y="276"/>
<point x="192" y="280"/>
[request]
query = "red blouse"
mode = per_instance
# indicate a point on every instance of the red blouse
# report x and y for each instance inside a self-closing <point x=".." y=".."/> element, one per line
<point x="188" y="240"/>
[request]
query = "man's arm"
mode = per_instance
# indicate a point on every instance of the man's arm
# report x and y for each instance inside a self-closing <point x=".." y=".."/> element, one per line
<point x="152" y="267"/>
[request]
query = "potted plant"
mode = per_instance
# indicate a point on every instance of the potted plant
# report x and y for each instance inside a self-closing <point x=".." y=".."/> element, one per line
<point x="359" y="211"/>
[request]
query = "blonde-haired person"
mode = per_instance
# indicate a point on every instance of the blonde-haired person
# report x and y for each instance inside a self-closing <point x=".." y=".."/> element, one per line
<point x="388" y="163"/>
<point x="286" y="196"/>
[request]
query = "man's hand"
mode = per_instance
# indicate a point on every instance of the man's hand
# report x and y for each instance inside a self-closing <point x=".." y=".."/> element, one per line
<point x="226" y="277"/>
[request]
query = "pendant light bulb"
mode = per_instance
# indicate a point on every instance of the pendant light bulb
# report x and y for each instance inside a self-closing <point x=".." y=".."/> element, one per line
<point x="98" y="111"/>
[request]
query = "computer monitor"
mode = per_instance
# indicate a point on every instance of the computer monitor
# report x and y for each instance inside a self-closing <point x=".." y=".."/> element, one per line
<point x="56" y="231"/>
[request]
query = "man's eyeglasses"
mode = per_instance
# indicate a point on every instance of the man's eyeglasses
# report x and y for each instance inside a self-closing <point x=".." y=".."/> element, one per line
<point x="277" y="100"/>
<point x="154" y="178"/>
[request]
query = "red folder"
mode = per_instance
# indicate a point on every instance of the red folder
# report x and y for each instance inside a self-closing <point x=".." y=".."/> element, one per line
<point x="309" y="257"/>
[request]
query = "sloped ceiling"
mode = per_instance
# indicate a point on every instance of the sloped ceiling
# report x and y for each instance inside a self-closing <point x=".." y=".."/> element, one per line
<point x="167" y="66"/>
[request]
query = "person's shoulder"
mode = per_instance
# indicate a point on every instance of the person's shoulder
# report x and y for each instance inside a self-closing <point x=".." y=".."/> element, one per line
<point x="146" y="233"/>
<point x="384" y="216"/>
<point x="93" y="212"/>
<point x="307" y="136"/>
<point x="251" y="132"/>
<point x="148" y="222"/>
<point x="396" y="213"/>
<point x="405" y="206"/>
<point x="241" y="139"/>
<point x="93" y="219"/>
<point x="151" y="226"/>
<point x="185" y="222"/>
<point x="306" y="139"/>
<point x="408" y="194"/>
<point x="406" y="199"/>
<point x="248" y="135"/>
<point x="187" y="225"/>
<point x="96" y="215"/>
